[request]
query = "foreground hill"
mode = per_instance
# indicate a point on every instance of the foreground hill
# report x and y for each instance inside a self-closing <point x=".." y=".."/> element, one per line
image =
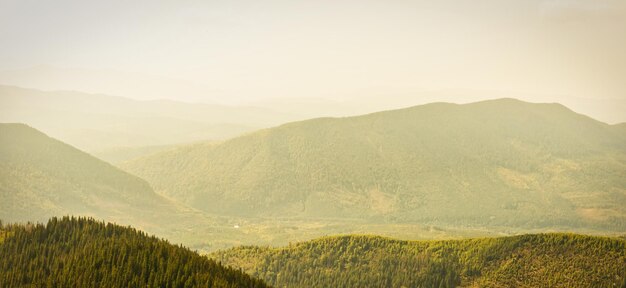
<point x="85" y="253"/>
<point x="544" y="260"/>
<point x="42" y="177"/>
<point x="95" y="122"/>
<point x="493" y="163"/>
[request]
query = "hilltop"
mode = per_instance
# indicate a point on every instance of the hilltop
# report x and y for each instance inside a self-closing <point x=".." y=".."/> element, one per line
<point x="80" y="252"/>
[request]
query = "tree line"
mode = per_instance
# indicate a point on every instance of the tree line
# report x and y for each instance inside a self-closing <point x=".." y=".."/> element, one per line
<point x="82" y="252"/>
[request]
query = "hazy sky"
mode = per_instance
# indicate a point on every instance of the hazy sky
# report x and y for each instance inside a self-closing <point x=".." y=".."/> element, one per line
<point x="243" y="51"/>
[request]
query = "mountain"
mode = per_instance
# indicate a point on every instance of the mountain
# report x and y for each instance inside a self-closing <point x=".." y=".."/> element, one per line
<point x="43" y="177"/>
<point x="80" y="252"/>
<point x="96" y="122"/>
<point x="609" y="110"/>
<point x="540" y="260"/>
<point x="493" y="163"/>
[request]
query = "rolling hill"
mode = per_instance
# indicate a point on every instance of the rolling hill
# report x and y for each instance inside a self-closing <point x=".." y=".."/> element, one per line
<point x="503" y="163"/>
<point x="80" y="252"/>
<point x="540" y="260"/>
<point x="42" y="177"/>
<point x="94" y="122"/>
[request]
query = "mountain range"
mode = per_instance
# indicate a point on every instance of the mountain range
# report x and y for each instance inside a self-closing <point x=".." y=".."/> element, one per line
<point x="96" y="122"/>
<point x="425" y="172"/>
<point x="493" y="163"/>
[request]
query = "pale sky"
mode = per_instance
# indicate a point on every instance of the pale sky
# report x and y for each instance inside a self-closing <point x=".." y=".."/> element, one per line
<point x="248" y="51"/>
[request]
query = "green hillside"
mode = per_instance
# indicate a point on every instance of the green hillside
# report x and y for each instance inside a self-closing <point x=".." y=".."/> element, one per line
<point x="41" y="177"/>
<point x="541" y="260"/>
<point x="500" y="163"/>
<point x="71" y="252"/>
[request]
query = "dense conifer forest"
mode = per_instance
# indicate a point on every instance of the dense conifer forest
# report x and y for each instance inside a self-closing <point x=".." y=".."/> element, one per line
<point x="82" y="252"/>
<point x="541" y="260"/>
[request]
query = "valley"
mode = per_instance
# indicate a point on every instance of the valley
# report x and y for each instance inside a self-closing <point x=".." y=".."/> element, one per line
<point x="331" y="176"/>
<point x="303" y="188"/>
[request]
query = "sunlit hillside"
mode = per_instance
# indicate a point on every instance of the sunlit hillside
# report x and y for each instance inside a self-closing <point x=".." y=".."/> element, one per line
<point x="409" y="144"/>
<point x="541" y="260"/>
<point x="494" y="163"/>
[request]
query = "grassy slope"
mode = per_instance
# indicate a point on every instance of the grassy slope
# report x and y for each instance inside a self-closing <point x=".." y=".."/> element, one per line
<point x="502" y="162"/>
<point x="541" y="260"/>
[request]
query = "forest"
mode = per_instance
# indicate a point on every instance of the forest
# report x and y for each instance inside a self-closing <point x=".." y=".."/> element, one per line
<point x="82" y="252"/>
<point x="540" y="260"/>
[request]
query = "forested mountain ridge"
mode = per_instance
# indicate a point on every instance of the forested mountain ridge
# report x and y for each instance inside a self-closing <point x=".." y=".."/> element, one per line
<point x="41" y="177"/>
<point x="493" y="163"/>
<point x="80" y="252"/>
<point x="541" y="260"/>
